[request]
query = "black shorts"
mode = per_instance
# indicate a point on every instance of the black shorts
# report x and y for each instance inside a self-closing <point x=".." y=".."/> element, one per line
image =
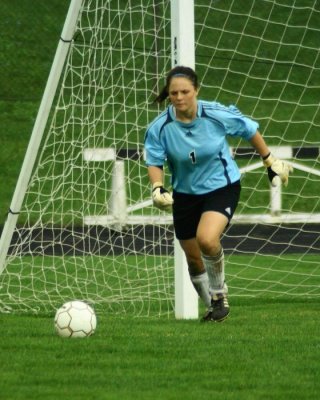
<point x="188" y="208"/>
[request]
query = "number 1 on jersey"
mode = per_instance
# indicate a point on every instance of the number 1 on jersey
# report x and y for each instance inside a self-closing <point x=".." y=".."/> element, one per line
<point x="192" y="155"/>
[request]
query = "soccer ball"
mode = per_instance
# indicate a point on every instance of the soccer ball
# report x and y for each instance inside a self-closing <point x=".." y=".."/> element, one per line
<point x="75" y="319"/>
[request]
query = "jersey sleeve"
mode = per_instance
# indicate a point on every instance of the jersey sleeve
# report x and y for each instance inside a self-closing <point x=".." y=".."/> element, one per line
<point x="234" y="122"/>
<point x="240" y="125"/>
<point x="155" y="153"/>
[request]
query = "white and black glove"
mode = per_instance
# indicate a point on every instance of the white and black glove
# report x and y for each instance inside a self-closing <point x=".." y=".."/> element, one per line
<point x="161" y="198"/>
<point x="278" y="170"/>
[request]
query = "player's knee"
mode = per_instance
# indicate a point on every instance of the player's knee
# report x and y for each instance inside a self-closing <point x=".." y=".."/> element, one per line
<point x="209" y="246"/>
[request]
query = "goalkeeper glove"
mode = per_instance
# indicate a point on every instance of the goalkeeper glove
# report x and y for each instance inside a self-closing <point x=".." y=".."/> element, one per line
<point x="277" y="169"/>
<point x="161" y="198"/>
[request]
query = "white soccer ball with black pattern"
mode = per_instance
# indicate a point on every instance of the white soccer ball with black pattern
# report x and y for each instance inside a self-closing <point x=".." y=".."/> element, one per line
<point x="75" y="319"/>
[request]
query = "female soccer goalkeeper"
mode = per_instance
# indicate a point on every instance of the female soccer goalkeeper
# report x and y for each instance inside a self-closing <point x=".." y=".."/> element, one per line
<point x="190" y="136"/>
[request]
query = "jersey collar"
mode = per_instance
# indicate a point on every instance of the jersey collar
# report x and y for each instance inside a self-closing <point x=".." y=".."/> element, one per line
<point x="172" y="110"/>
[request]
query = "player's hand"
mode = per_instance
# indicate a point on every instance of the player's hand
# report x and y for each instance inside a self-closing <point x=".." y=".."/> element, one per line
<point x="161" y="198"/>
<point x="277" y="169"/>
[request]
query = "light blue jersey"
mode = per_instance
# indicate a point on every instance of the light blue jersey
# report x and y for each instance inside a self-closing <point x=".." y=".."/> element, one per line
<point x="197" y="153"/>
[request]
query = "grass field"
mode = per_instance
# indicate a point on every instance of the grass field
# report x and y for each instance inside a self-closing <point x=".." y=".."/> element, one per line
<point x="144" y="286"/>
<point x="31" y="31"/>
<point x="266" y="350"/>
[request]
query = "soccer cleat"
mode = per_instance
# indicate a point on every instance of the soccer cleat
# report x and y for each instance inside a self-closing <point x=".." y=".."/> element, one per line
<point x="207" y="316"/>
<point x="220" y="307"/>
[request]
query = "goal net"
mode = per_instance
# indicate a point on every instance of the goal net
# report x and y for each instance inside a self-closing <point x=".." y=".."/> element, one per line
<point x="86" y="228"/>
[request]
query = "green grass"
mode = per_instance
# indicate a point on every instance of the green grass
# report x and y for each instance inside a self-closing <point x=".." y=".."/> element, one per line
<point x="261" y="352"/>
<point x="31" y="30"/>
<point x="144" y="285"/>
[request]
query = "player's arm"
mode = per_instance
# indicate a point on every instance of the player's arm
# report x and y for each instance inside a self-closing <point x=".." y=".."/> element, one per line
<point x="276" y="168"/>
<point x="161" y="198"/>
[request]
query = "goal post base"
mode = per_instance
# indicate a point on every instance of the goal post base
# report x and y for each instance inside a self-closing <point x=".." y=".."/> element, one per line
<point x="186" y="298"/>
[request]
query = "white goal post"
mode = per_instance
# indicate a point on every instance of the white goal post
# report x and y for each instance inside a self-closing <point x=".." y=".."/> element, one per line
<point x="183" y="53"/>
<point x="81" y="224"/>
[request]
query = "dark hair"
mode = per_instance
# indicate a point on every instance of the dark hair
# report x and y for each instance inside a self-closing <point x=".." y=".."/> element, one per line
<point x="179" y="71"/>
